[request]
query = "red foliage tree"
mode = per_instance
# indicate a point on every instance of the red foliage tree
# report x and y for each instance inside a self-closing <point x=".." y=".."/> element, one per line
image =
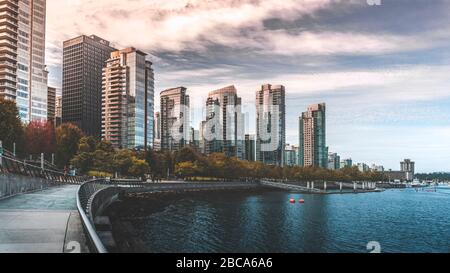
<point x="40" y="138"/>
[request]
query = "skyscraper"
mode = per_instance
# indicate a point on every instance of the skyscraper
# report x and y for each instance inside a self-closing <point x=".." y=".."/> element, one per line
<point x="23" y="75"/>
<point x="84" y="58"/>
<point x="312" y="137"/>
<point x="175" y="128"/>
<point x="290" y="155"/>
<point x="157" y="132"/>
<point x="128" y="100"/>
<point x="334" y="161"/>
<point x="270" y="124"/>
<point x="51" y="104"/>
<point x="250" y="146"/>
<point x="224" y="132"/>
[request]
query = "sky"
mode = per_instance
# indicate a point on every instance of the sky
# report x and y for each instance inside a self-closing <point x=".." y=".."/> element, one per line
<point x="383" y="70"/>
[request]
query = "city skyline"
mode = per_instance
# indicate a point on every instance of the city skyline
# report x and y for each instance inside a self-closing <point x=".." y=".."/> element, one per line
<point x="393" y="74"/>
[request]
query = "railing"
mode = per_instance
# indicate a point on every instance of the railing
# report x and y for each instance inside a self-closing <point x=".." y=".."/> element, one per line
<point x="10" y="165"/>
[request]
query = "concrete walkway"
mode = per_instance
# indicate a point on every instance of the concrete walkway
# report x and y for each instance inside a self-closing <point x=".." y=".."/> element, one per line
<point x="45" y="221"/>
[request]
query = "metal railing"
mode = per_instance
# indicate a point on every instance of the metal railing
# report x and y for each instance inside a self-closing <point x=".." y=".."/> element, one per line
<point x="10" y="165"/>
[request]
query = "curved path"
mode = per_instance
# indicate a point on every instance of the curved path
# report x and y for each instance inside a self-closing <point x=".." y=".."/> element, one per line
<point x="42" y="221"/>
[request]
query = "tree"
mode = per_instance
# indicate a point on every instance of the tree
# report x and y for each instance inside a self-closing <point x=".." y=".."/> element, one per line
<point x="187" y="169"/>
<point x="123" y="161"/>
<point x="40" y="138"/>
<point x="139" y="168"/>
<point x="11" y="129"/>
<point x="67" y="140"/>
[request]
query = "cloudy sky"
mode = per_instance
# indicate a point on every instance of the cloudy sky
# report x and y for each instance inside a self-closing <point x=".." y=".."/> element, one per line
<point x="384" y="71"/>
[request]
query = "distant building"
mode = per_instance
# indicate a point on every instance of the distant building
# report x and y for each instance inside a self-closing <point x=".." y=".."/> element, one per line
<point x="271" y="124"/>
<point x="312" y="134"/>
<point x="334" y="161"/>
<point x="127" y="100"/>
<point x="377" y="168"/>
<point x="175" y="129"/>
<point x="51" y="104"/>
<point x="250" y="147"/>
<point x="194" y="139"/>
<point x="347" y="163"/>
<point x="84" y="58"/>
<point x="290" y="155"/>
<point x="157" y="132"/>
<point x="224" y="130"/>
<point x="58" y="111"/>
<point x="408" y="167"/>
<point x="363" y="167"/>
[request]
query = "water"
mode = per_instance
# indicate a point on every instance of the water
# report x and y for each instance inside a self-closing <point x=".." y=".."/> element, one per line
<point x="229" y="222"/>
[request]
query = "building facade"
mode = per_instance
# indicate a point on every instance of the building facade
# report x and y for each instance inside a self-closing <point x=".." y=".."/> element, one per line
<point x="23" y="74"/>
<point x="334" y="161"/>
<point x="58" y="111"/>
<point x="175" y="128"/>
<point x="250" y="147"/>
<point x="128" y="100"/>
<point x="291" y="155"/>
<point x="224" y="131"/>
<point x="347" y="163"/>
<point x="51" y="104"/>
<point x="312" y="137"/>
<point x="157" y="132"/>
<point x="84" y="58"/>
<point x="408" y="167"/>
<point x="271" y="124"/>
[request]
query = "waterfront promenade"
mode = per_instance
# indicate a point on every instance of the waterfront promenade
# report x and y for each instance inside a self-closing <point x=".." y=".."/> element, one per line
<point x="44" y="221"/>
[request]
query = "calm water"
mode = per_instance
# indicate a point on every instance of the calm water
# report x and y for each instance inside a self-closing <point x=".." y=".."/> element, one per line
<point x="400" y="220"/>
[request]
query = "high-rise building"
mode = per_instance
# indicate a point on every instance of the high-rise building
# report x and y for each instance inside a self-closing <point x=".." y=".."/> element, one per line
<point x="408" y="167"/>
<point x="23" y="75"/>
<point x="194" y="139"/>
<point x="271" y="124"/>
<point x="347" y="163"/>
<point x="312" y="137"/>
<point x="250" y="147"/>
<point x="377" y="168"/>
<point x="157" y="132"/>
<point x="175" y="126"/>
<point x="51" y="104"/>
<point x="363" y="167"/>
<point x="84" y="58"/>
<point x="334" y="161"/>
<point x="128" y="100"/>
<point x="290" y="155"/>
<point x="224" y="130"/>
<point x="58" y="111"/>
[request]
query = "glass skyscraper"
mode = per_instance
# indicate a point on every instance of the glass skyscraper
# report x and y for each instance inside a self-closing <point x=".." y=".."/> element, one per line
<point x="23" y="75"/>
<point x="271" y="124"/>
<point x="128" y="100"/>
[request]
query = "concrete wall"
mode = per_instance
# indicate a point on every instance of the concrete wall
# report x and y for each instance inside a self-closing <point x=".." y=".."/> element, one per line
<point x="14" y="184"/>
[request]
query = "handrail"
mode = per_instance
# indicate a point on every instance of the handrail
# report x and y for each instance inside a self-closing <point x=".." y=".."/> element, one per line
<point x="88" y="225"/>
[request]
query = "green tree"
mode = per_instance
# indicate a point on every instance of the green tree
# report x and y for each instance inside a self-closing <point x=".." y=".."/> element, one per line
<point x="11" y="129"/>
<point x="67" y="140"/>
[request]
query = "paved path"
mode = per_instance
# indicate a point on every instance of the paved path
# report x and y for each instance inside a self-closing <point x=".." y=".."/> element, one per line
<point x="43" y="221"/>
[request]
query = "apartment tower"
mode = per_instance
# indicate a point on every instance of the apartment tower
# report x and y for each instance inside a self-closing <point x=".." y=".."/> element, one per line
<point x="224" y="130"/>
<point x="128" y="100"/>
<point x="270" y="124"/>
<point x="23" y="75"/>
<point x="175" y="128"/>
<point x="312" y="137"/>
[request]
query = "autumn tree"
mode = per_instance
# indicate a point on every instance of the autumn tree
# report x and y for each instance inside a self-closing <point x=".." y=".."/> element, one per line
<point x="40" y="138"/>
<point x="67" y="141"/>
<point x="11" y="129"/>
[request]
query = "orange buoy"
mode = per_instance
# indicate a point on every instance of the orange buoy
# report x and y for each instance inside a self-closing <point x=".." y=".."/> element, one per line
<point x="302" y="201"/>
<point x="292" y="201"/>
